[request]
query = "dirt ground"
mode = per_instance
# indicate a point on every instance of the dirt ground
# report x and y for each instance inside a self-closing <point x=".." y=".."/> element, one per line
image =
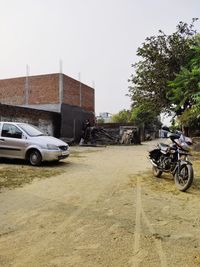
<point x="105" y="209"/>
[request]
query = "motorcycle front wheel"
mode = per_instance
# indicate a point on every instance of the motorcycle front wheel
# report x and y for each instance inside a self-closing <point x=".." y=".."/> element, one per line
<point x="184" y="177"/>
<point x="156" y="172"/>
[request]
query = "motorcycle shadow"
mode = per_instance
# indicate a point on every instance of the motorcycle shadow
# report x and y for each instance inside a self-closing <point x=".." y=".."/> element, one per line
<point x="193" y="190"/>
<point x="196" y="183"/>
<point x="165" y="176"/>
<point x="163" y="184"/>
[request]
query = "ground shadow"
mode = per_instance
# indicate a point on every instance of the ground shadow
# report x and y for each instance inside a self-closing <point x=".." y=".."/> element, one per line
<point x="50" y="164"/>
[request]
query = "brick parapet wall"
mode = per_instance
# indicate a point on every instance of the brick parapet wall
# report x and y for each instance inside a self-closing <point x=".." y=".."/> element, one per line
<point x="41" y="89"/>
<point x="71" y="91"/>
<point x="88" y="98"/>
<point x="78" y="94"/>
<point x="12" y="91"/>
<point x="45" y="89"/>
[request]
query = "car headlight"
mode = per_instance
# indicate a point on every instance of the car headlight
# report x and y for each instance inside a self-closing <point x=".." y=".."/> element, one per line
<point x="52" y="147"/>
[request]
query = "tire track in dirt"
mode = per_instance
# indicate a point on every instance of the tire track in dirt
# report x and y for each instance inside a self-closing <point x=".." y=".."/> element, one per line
<point x="140" y="254"/>
<point x="61" y="229"/>
<point x="157" y="242"/>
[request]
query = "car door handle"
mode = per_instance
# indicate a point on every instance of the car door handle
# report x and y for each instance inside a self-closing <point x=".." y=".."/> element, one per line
<point x="1" y="139"/>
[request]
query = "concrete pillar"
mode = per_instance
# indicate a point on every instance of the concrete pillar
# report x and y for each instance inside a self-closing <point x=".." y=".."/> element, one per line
<point x="60" y="88"/>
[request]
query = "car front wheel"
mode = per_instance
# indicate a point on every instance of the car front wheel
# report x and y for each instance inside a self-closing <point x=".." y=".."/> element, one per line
<point x="35" y="158"/>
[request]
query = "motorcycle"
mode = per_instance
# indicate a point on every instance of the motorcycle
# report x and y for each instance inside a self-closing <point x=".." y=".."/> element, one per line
<point x="173" y="158"/>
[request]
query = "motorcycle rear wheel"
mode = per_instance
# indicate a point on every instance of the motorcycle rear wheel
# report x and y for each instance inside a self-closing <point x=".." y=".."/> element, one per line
<point x="156" y="172"/>
<point x="184" y="178"/>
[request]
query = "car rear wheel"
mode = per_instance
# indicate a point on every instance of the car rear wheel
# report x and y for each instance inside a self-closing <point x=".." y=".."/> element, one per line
<point x="35" y="158"/>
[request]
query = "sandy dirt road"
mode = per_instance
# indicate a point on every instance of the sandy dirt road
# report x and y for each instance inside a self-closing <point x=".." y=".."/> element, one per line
<point x="104" y="210"/>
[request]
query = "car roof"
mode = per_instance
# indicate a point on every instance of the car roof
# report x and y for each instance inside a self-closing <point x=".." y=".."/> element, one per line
<point x="13" y="122"/>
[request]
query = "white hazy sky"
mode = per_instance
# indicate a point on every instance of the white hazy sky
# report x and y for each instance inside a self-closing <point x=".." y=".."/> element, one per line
<point x="96" y="38"/>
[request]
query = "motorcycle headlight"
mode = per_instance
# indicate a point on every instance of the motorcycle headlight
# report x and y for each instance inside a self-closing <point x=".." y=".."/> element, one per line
<point x="186" y="147"/>
<point x="52" y="147"/>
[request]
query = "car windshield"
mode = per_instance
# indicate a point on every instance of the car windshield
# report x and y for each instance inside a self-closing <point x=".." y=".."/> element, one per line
<point x="30" y="129"/>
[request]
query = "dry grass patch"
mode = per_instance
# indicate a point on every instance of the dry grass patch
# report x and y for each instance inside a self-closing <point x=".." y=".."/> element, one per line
<point x="164" y="184"/>
<point x="197" y="260"/>
<point x="76" y="154"/>
<point x="81" y="152"/>
<point x="17" y="176"/>
<point x="196" y="165"/>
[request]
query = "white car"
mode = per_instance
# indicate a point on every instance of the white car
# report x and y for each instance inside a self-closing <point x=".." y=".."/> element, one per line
<point x="25" y="141"/>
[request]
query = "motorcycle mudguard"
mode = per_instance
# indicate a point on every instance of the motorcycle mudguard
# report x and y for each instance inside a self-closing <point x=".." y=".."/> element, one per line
<point x="186" y="162"/>
<point x="182" y="162"/>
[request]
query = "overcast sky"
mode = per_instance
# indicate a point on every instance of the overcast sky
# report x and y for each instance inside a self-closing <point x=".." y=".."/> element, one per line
<point x="96" y="38"/>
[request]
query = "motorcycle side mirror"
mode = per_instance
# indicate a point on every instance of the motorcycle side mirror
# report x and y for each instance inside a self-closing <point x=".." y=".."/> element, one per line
<point x="169" y="134"/>
<point x="174" y="136"/>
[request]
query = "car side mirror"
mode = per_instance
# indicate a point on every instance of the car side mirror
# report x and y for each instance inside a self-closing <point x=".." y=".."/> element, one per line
<point x="24" y="136"/>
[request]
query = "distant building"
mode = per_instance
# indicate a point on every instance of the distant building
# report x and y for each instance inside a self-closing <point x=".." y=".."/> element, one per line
<point x="106" y="117"/>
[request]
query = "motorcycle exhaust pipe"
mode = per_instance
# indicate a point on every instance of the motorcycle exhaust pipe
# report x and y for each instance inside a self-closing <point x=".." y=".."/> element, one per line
<point x="153" y="163"/>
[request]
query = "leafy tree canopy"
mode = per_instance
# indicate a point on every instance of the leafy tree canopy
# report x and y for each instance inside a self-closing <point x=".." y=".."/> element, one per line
<point x="196" y="105"/>
<point x="186" y="84"/>
<point x="122" y="116"/>
<point x="185" y="91"/>
<point x="144" y="113"/>
<point x="100" y="120"/>
<point x="163" y="57"/>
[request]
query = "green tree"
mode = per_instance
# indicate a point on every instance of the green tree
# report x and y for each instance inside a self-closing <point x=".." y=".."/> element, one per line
<point x="185" y="91"/>
<point x="196" y="105"/>
<point x="186" y="85"/>
<point x="122" y="116"/>
<point x="162" y="58"/>
<point x="144" y="113"/>
<point x="100" y="120"/>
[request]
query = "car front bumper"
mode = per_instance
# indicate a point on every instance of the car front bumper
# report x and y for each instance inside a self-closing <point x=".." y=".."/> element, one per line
<point x="50" y="155"/>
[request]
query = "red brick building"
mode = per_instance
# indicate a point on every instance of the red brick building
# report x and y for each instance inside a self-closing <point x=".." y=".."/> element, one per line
<point x="72" y="100"/>
<point x="47" y="92"/>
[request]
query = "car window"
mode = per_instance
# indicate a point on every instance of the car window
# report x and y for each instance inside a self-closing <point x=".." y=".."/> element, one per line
<point x="30" y="129"/>
<point x="10" y="130"/>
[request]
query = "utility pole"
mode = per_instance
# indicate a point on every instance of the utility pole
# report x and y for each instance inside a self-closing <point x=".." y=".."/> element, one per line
<point x="60" y="81"/>
<point x="26" y="93"/>
<point x="93" y="86"/>
<point x="60" y="66"/>
<point x="80" y="89"/>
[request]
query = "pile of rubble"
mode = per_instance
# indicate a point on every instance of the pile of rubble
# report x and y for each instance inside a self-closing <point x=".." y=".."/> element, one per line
<point x="101" y="136"/>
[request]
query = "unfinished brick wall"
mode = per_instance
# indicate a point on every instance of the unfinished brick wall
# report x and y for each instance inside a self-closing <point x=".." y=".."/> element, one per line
<point x="71" y="91"/>
<point x="77" y="94"/>
<point x="88" y="100"/>
<point x="46" y="89"/>
<point x="43" y="89"/>
<point x="12" y="91"/>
